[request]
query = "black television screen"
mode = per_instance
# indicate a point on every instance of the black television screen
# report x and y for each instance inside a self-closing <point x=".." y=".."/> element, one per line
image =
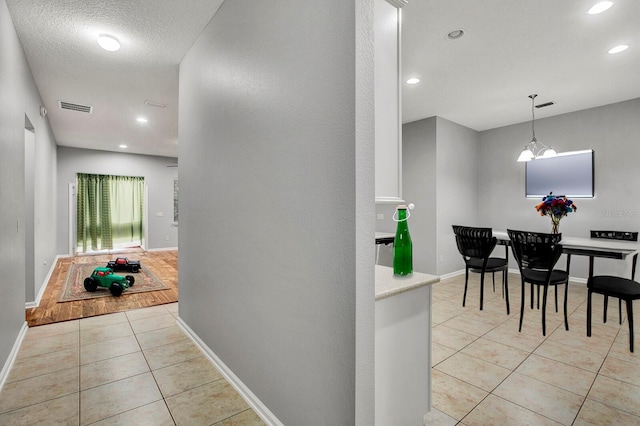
<point x="569" y="174"/>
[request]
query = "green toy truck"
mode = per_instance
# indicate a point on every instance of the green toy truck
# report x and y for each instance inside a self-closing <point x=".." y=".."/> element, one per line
<point x="104" y="277"/>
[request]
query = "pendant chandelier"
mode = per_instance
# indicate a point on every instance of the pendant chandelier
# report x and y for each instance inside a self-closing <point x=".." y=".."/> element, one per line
<point x="534" y="149"/>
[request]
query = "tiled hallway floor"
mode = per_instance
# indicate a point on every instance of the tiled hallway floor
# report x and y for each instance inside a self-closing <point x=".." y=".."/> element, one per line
<point x="128" y="368"/>
<point x="138" y="368"/>
<point x="487" y="373"/>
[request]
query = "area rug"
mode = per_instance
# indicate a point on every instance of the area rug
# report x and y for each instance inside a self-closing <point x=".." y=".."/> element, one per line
<point x="74" y="286"/>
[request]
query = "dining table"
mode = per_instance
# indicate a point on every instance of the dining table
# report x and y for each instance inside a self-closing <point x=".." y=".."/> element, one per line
<point x="591" y="247"/>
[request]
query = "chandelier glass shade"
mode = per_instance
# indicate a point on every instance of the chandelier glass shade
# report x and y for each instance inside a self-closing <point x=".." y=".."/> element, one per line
<point x="534" y="149"/>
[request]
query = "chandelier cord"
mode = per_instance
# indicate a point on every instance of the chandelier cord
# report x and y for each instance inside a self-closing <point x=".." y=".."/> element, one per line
<point x="533" y="118"/>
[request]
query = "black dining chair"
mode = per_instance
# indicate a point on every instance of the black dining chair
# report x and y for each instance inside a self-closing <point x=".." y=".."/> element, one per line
<point x="475" y="245"/>
<point x="613" y="286"/>
<point x="537" y="254"/>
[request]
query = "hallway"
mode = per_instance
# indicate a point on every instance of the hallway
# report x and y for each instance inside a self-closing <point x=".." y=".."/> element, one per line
<point x="135" y="367"/>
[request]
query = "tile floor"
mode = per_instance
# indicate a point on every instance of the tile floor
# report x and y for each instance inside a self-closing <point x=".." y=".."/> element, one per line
<point x="484" y="372"/>
<point x="138" y="367"/>
<point x="128" y="368"/>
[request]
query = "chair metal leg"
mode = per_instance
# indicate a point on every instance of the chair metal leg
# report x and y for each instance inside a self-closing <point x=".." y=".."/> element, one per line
<point x="566" y="293"/>
<point x="544" y="310"/>
<point x="620" y="311"/>
<point x="604" y="310"/>
<point x="522" y="304"/>
<point x="589" y="313"/>
<point x="532" y="296"/>
<point x="466" y="283"/>
<point x="481" y="289"/>
<point x="493" y="277"/>
<point x="505" y="287"/>
<point x="556" y="298"/>
<point x="630" y="319"/>
<point x="538" y="301"/>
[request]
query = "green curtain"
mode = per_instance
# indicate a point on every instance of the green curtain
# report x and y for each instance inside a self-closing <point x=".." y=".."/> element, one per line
<point x="110" y="209"/>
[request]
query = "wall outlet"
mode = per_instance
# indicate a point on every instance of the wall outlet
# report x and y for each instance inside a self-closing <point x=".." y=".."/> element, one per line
<point x="380" y="216"/>
<point x="166" y="238"/>
<point x="159" y="214"/>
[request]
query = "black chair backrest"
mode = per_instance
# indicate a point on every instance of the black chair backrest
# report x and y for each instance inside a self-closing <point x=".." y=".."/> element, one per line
<point x="535" y="250"/>
<point x="618" y="235"/>
<point x="474" y="242"/>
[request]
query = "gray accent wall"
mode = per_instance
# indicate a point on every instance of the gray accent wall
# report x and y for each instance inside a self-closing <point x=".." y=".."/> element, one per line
<point x="277" y="203"/>
<point x="612" y="131"/>
<point x="162" y="232"/>
<point x="478" y="182"/>
<point x="20" y="98"/>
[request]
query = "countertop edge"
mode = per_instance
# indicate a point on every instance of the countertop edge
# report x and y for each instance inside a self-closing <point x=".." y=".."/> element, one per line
<point x="388" y="285"/>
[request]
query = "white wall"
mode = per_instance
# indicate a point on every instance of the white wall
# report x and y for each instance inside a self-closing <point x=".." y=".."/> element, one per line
<point x="158" y="178"/>
<point x="611" y="131"/>
<point x="440" y="173"/>
<point x="20" y="97"/>
<point x="387" y="102"/>
<point x="457" y="169"/>
<point x="272" y="177"/>
<point x="419" y="178"/>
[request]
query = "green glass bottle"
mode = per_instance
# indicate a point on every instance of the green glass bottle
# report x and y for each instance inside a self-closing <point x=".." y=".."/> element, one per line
<point x="402" y="247"/>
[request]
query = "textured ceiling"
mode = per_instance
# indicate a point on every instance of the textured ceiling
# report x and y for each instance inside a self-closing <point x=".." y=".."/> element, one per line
<point x="512" y="48"/>
<point x="59" y="39"/>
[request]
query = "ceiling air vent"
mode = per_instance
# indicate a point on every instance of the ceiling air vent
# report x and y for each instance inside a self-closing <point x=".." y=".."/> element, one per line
<point x="75" y="107"/>
<point x="546" y="104"/>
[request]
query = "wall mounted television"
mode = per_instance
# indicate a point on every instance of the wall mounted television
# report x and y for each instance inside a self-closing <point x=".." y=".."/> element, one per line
<point x="570" y="174"/>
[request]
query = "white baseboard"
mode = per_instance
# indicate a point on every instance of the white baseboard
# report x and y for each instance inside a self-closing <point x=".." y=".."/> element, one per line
<point x="451" y="274"/>
<point x="43" y="287"/>
<point x="162" y="249"/>
<point x="12" y="355"/>
<point x="261" y="410"/>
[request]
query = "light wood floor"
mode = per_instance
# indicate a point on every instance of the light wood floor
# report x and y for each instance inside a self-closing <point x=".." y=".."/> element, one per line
<point x="163" y="264"/>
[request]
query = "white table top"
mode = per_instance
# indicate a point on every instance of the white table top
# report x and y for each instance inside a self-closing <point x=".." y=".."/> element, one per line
<point x="597" y="244"/>
<point x="388" y="284"/>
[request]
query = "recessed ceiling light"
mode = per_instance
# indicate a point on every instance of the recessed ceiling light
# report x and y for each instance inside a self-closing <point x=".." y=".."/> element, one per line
<point x="123" y="146"/>
<point x="455" y="34"/>
<point x="109" y="43"/>
<point x="618" y="49"/>
<point x="600" y="7"/>
<point x="413" y="80"/>
<point x="141" y="120"/>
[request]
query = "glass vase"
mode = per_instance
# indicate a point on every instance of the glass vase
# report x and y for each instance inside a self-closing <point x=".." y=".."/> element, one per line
<point x="555" y="225"/>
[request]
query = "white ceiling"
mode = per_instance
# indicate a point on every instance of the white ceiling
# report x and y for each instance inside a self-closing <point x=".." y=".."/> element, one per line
<point x="59" y="39"/>
<point x="514" y="48"/>
<point x="511" y="48"/>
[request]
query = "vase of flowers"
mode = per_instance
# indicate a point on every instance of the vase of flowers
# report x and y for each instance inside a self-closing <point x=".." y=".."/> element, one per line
<point x="556" y="207"/>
